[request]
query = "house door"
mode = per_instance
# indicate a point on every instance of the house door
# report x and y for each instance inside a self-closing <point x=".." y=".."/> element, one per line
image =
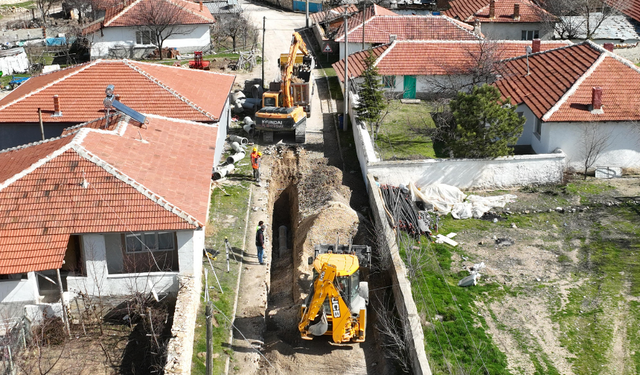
<point x="409" y="87"/>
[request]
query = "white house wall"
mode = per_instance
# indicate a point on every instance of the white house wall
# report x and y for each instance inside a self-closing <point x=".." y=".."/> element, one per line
<point x="527" y="130"/>
<point x="623" y="150"/>
<point x="21" y="290"/>
<point x="513" y="31"/>
<point x="353" y="47"/>
<point x="187" y="39"/>
<point x="102" y="249"/>
<point x="221" y="136"/>
<point x="429" y="86"/>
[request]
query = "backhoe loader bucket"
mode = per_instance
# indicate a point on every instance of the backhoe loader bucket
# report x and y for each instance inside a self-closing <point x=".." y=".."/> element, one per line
<point x="319" y="328"/>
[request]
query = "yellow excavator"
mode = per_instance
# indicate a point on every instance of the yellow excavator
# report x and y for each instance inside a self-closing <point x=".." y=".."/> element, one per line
<point x="337" y="302"/>
<point x="279" y="111"/>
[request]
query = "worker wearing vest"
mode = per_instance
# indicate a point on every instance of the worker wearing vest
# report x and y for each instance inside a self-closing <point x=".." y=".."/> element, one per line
<point x="255" y="163"/>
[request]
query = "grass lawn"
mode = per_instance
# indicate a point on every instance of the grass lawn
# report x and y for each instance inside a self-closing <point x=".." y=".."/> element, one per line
<point x="228" y="211"/>
<point x="593" y="254"/>
<point x="404" y="132"/>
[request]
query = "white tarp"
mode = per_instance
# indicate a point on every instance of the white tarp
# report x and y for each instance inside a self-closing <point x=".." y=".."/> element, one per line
<point x="13" y="61"/>
<point x="447" y="198"/>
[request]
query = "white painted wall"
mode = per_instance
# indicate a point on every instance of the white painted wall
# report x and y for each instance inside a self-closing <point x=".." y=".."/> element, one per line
<point x="99" y="248"/>
<point x="496" y="173"/>
<point x="223" y="128"/>
<point x="464" y="173"/>
<point x="353" y="47"/>
<point x="527" y="136"/>
<point x="20" y="290"/>
<point x="623" y="150"/>
<point x="187" y="39"/>
<point x="513" y="31"/>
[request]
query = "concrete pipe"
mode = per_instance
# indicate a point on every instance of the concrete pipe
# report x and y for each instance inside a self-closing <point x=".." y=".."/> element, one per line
<point x="236" y="96"/>
<point x="237" y="108"/>
<point x="235" y="157"/>
<point x="236" y="138"/>
<point x="282" y="240"/>
<point x="223" y="171"/>
<point x="248" y="121"/>
<point x="236" y="147"/>
<point x="248" y="128"/>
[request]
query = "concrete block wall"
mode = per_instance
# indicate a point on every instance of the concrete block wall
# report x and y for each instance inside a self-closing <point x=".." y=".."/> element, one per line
<point x="407" y="309"/>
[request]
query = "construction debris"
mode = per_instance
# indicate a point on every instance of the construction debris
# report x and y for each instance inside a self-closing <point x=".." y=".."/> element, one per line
<point x="402" y="212"/>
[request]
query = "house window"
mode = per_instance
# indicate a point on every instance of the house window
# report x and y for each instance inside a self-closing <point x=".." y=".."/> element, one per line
<point x="389" y="82"/>
<point x="153" y="241"/>
<point x="144" y="37"/>
<point x="530" y="34"/>
<point x="537" y="130"/>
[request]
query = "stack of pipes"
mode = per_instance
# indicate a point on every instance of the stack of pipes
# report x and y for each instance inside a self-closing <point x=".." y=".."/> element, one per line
<point x="237" y="145"/>
<point x="401" y="211"/>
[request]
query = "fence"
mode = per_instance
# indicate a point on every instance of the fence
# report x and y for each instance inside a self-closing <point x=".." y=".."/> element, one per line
<point x="12" y="343"/>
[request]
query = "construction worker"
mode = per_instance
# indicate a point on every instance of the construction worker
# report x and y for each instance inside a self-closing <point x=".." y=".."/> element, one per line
<point x="260" y="240"/>
<point x="255" y="163"/>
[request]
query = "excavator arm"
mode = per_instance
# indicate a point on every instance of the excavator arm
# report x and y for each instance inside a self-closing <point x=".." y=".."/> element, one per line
<point x="296" y="44"/>
<point x="342" y="321"/>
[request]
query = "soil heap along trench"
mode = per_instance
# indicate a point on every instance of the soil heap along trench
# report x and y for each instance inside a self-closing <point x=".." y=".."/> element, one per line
<point x="309" y="199"/>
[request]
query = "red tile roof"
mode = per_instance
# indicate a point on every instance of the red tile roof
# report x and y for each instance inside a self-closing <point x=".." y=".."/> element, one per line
<point x="413" y="57"/>
<point x="159" y="182"/>
<point x="471" y="10"/>
<point x="378" y="29"/>
<point x="368" y="14"/>
<point x="559" y="84"/>
<point x="140" y="12"/>
<point x="630" y="8"/>
<point x="195" y="95"/>
<point x="333" y="13"/>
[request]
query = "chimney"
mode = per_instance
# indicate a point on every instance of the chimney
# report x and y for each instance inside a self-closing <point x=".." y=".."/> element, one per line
<point x="516" y="11"/>
<point x="596" y="100"/>
<point x="201" y="5"/>
<point x="392" y="38"/>
<point x="535" y="46"/>
<point x="119" y="98"/>
<point x="608" y="47"/>
<point x="57" y="111"/>
<point x="492" y="9"/>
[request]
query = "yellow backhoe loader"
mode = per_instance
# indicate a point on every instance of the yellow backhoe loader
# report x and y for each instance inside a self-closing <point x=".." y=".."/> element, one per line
<point x="337" y="303"/>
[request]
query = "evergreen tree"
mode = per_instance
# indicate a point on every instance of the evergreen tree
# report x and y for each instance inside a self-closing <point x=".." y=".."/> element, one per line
<point x="483" y="126"/>
<point x="371" y="104"/>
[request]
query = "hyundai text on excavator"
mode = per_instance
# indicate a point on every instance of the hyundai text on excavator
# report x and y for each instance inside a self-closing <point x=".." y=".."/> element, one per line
<point x="281" y="109"/>
<point x="337" y="302"/>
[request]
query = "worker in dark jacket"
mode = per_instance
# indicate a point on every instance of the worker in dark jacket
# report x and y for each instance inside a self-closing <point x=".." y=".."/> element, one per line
<point x="260" y="240"/>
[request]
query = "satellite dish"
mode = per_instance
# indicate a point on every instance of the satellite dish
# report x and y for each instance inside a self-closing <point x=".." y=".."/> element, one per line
<point x="528" y="49"/>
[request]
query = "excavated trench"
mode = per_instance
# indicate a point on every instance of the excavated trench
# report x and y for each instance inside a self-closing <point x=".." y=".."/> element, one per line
<point x="307" y="197"/>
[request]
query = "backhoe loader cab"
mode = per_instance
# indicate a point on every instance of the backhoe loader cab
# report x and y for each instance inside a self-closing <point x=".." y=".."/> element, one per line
<point x="337" y="302"/>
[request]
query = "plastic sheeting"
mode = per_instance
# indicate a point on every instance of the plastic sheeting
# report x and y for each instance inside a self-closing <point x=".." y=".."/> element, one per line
<point x="446" y="199"/>
<point x="14" y="62"/>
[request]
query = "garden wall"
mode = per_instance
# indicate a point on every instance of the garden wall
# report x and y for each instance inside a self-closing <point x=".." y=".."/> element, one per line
<point x="498" y="173"/>
<point x="403" y="298"/>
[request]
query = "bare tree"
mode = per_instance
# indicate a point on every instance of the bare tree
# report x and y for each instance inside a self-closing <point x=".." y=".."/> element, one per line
<point x="593" y="141"/>
<point x="578" y="19"/>
<point x="482" y="63"/>
<point x="44" y="7"/>
<point x="234" y="26"/>
<point x="161" y="19"/>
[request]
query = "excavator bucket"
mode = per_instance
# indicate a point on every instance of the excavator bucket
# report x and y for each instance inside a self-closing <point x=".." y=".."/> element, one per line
<point x="321" y="327"/>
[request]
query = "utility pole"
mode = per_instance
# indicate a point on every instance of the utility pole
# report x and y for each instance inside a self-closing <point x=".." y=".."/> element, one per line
<point x="264" y="28"/>
<point x="364" y="16"/>
<point x="307" y="16"/>
<point x="346" y="72"/>
<point x="209" y="359"/>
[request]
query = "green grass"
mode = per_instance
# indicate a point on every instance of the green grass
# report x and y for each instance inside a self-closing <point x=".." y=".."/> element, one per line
<point x="405" y="132"/>
<point x="4" y="80"/>
<point x="25" y="4"/>
<point x="227" y="219"/>
<point x="458" y="338"/>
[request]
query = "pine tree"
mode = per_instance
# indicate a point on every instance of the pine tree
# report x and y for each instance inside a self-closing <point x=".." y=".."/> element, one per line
<point x="484" y="125"/>
<point x="371" y="104"/>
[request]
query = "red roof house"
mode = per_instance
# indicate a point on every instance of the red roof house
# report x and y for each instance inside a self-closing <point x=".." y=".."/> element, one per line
<point x="383" y="29"/>
<point x="131" y="29"/>
<point x="427" y="68"/>
<point x="576" y="95"/>
<point x="504" y="19"/>
<point x="175" y="92"/>
<point x="107" y="198"/>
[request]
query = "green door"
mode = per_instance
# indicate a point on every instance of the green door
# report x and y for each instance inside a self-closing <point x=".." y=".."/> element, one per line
<point x="409" y="87"/>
